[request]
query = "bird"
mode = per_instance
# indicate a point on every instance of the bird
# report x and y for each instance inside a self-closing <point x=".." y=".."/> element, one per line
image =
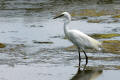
<point x="78" y="38"/>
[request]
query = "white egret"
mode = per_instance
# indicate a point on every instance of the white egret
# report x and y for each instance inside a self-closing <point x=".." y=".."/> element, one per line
<point x="78" y="38"/>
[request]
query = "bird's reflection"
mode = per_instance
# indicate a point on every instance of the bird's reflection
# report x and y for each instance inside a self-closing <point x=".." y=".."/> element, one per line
<point x="86" y="74"/>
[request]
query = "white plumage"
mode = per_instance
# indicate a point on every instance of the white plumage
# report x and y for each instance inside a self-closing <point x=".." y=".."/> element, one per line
<point x="78" y="38"/>
<point x="82" y="40"/>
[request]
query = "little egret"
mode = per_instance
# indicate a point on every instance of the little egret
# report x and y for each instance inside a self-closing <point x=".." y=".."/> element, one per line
<point x="78" y="38"/>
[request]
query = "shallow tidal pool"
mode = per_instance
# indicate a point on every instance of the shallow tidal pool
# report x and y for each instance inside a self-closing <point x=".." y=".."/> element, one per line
<point x="35" y="48"/>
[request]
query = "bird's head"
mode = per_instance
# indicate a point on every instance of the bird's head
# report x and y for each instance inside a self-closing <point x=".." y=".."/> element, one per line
<point x="65" y="16"/>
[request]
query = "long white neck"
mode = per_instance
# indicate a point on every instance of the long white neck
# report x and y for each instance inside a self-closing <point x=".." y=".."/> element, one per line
<point x="66" y="21"/>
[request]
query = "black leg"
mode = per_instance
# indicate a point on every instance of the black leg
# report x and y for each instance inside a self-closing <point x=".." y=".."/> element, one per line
<point x="85" y="57"/>
<point x="79" y="57"/>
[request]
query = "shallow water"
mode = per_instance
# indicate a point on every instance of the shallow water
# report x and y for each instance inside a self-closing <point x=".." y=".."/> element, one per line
<point x="35" y="44"/>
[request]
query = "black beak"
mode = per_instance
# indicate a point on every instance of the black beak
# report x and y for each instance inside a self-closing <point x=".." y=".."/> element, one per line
<point x="58" y="16"/>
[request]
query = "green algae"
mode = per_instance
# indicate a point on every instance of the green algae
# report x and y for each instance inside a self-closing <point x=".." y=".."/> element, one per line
<point x="101" y="36"/>
<point x="109" y="46"/>
<point x="117" y="67"/>
<point x="96" y="13"/>
<point x="89" y="12"/>
<point x="116" y="16"/>
<point x="94" y="21"/>
<point x="111" y="41"/>
<point x="2" y="45"/>
<point x="112" y="46"/>
<point x="42" y="42"/>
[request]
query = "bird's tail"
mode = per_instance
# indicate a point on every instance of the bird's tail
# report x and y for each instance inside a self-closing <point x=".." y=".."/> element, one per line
<point x="101" y="46"/>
